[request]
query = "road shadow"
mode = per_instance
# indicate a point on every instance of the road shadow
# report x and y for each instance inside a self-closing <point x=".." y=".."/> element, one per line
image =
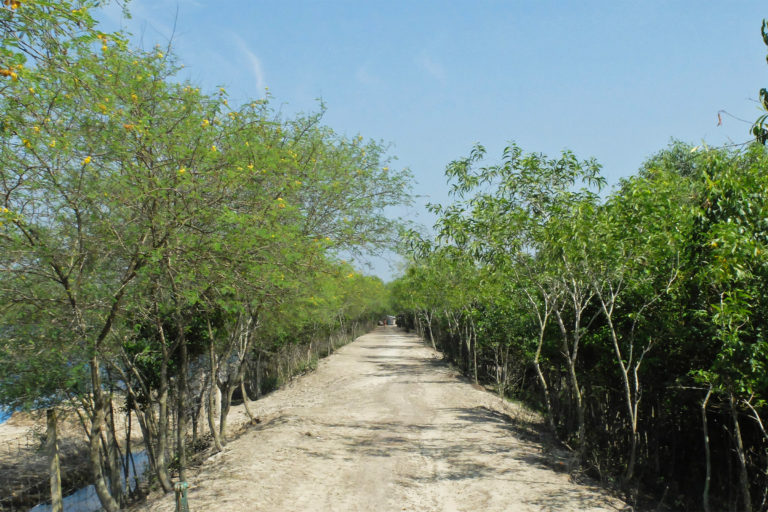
<point x="474" y="443"/>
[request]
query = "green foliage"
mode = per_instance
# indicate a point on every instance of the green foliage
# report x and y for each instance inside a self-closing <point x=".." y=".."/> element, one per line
<point x="144" y="223"/>
<point x="759" y="129"/>
<point x="656" y="288"/>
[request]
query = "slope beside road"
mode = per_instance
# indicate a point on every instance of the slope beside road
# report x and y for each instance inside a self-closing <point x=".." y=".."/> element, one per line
<point x="384" y="425"/>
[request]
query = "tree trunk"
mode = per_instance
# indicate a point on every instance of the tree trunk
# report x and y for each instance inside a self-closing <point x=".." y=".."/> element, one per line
<point x="149" y="434"/>
<point x="743" y="476"/>
<point x="245" y="401"/>
<point x="431" y="334"/>
<point x="707" y="454"/>
<point x="181" y="424"/>
<point x="543" y="382"/>
<point x="258" y="374"/>
<point x="473" y="342"/>
<point x="54" y="470"/>
<point x="212" y="390"/>
<point x="163" y="475"/>
<point x="94" y="452"/>
<point x="112" y="450"/>
<point x="570" y="355"/>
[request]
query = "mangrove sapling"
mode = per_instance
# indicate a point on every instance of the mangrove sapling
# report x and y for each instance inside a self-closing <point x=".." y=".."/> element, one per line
<point x="543" y="310"/>
<point x="609" y="288"/>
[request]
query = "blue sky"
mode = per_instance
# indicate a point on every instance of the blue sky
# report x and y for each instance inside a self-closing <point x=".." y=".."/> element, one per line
<point x="613" y="80"/>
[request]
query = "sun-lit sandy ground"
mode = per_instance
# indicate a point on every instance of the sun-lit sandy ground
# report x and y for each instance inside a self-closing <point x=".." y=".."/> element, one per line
<point x="383" y="424"/>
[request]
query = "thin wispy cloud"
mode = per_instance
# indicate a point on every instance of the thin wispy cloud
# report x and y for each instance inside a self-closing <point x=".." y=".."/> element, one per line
<point x="365" y="77"/>
<point x="431" y="67"/>
<point x="257" y="70"/>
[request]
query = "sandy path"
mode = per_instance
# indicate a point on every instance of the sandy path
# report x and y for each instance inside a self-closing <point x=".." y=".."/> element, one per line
<point x="383" y="425"/>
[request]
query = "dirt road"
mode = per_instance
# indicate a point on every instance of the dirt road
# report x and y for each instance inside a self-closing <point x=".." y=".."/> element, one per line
<point x="384" y="425"/>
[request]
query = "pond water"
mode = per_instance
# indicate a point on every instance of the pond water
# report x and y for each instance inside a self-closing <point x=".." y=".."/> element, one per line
<point x="86" y="500"/>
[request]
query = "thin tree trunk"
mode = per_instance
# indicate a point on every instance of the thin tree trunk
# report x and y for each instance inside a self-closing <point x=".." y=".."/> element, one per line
<point x="226" y="404"/>
<point x="258" y="373"/>
<point x="213" y="387"/>
<point x="473" y="336"/>
<point x="743" y="475"/>
<point x="181" y="425"/>
<point x="245" y="401"/>
<point x="54" y="470"/>
<point x="162" y="420"/>
<point x="113" y="455"/>
<point x="707" y="454"/>
<point x="543" y="382"/>
<point x="94" y="452"/>
<point x="571" y="355"/>
<point x="543" y="318"/>
<point x="431" y="334"/>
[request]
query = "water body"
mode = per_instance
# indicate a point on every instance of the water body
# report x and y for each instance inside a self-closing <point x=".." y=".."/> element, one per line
<point x="86" y="500"/>
<point x="4" y="415"/>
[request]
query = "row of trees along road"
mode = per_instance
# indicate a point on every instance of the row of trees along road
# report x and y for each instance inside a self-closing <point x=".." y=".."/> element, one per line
<point x="635" y="320"/>
<point x="159" y="246"/>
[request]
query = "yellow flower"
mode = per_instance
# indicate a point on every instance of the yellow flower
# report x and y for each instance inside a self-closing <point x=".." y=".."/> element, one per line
<point x="103" y="47"/>
<point x="86" y="160"/>
<point x="134" y="97"/>
<point x="53" y="143"/>
<point x="250" y="166"/>
<point x="159" y="55"/>
<point x="36" y="129"/>
<point x="31" y="90"/>
<point x="213" y="148"/>
<point x="222" y="90"/>
<point x="128" y="126"/>
<point x="26" y="143"/>
<point x="205" y="122"/>
<point x="182" y="170"/>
